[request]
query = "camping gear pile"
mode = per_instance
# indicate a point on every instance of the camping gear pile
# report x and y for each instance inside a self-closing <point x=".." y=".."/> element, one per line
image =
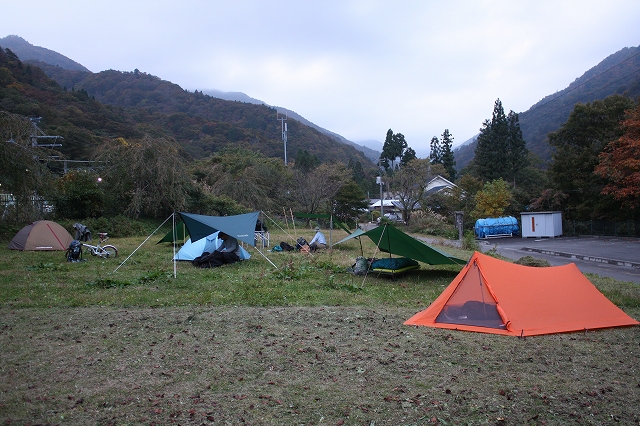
<point x="301" y="246"/>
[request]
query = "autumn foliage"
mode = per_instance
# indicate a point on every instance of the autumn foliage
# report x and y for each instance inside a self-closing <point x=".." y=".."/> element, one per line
<point x="620" y="163"/>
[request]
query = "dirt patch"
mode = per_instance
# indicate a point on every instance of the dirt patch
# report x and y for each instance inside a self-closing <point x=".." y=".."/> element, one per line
<point x="328" y="365"/>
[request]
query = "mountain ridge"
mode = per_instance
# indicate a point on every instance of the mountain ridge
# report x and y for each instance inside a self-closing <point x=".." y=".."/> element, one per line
<point x="113" y="104"/>
<point x="28" y="52"/>
<point x="371" y="153"/>
<point x="618" y="73"/>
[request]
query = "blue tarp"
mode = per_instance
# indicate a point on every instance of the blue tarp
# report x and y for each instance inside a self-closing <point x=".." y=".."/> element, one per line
<point x="491" y="226"/>
<point x="242" y="226"/>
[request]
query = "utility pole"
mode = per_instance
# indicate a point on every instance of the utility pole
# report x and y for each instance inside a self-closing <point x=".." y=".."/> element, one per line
<point x="283" y="126"/>
<point x="381" y="183"/>
<point x="38" y="135"/>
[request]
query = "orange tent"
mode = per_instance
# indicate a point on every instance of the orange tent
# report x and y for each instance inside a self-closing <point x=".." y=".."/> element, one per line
<point x="490" y="295"/>
<point x="41" y="235"/>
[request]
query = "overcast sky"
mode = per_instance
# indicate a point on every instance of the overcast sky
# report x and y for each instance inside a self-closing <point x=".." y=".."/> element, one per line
<point x="355" y="67"/>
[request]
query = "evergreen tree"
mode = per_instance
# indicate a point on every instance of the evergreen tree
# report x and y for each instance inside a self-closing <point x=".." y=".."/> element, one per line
<point x="349" y="202"/>
<point x="305" y="162"/>
<point x="394" y="146"/>
<point x="408" y="155"/>
<point x="490" y="154"/>
<point x="364" y="180"/>
<point x="446" y="154"/>
<point x="501" y="151"/>
<point x="435" y="156"/>
<point x="517" y="152"/>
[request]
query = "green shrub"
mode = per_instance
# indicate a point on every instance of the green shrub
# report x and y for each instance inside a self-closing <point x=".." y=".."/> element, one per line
<point x="532" y="261"/>
<point x="469" y="241"/>
<point x="430" y="223"/>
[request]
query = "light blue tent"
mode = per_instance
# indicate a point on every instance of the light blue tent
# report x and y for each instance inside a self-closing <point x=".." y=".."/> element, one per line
<point x="191" y="250"/>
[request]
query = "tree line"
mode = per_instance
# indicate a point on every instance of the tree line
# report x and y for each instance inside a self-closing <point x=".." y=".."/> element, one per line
<point x="594" y="173"/>
<point x="140" y="170"/>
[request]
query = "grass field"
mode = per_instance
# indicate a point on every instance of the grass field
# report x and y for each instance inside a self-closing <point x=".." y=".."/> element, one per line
<point x="305" y="343"/>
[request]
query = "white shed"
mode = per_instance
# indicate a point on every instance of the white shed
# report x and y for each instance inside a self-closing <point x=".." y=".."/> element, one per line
<point x="541" y="224"/>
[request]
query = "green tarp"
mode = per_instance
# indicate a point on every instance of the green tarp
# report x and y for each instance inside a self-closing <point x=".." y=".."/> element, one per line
<point x="178" y="234"/>
<point x="390" y="239"/>
<point x="242" y="226"/>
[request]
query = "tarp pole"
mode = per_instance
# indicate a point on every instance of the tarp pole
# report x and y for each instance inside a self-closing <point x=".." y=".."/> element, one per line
<point x="293" y="222"/>
<point x="374" y="253"/>
<point x="151" y="235"/>
<point x="286" y="219"/>
<point x="331" y="231"/>
<point x="175" y="273"/>
<point x="268" y="260"/>
<point x="481" y="290"/>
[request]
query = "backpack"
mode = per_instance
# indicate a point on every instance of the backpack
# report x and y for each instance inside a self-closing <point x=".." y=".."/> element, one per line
<point x="286" y="246"/>
<point x="74" y="252"/>
<point x="301" y="243"/>
<point x="360" y="267"/>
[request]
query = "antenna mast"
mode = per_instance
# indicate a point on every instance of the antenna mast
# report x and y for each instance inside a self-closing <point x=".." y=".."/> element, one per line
<point x="283" y="126"/>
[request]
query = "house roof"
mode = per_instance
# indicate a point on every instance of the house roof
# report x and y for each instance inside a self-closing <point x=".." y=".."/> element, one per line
<point x="387" y="203"/>
<point x="439" y="182"/>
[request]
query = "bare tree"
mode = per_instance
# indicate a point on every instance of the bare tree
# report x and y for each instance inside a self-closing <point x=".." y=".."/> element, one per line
<point x="23" y="172"/>
<point x="410" y="182"/>
<point x="312" y="192"/>
<point x="146" y="175"/>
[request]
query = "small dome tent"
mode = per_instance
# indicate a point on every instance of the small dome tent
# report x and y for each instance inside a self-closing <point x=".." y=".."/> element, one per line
<point x="41" y="235"/>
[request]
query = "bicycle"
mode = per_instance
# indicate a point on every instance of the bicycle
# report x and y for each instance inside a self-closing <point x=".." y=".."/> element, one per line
<point x="99" y="250"/>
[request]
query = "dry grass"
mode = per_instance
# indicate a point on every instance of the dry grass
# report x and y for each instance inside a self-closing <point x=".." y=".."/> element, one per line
<point x="299" y="365"/>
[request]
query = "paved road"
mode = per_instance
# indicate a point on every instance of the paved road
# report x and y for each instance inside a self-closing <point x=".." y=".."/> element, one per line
<point x="613" y="257"/>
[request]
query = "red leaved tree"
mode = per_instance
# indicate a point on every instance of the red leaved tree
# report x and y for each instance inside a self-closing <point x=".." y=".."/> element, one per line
<point x="620" y="163"/>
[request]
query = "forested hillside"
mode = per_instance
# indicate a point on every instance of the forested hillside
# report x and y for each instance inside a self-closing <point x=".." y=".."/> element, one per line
<point x="617" y="74"/>
<point x="84" y="106"/>
<point x="60" y="71"/>
<point x="200" y="123"/>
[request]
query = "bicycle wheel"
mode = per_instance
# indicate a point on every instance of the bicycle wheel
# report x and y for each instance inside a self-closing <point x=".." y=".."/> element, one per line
<point x="109" y="251"/>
